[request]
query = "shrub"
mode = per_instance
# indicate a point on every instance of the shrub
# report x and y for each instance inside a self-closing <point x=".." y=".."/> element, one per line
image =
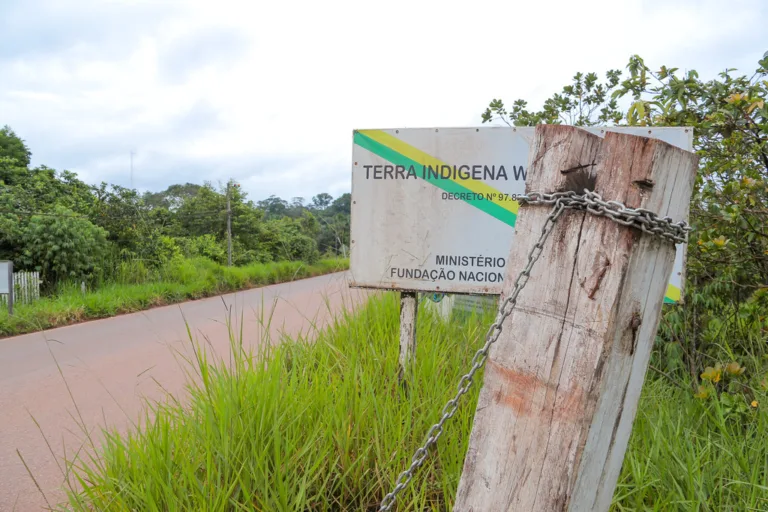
<point x="63" y="246"/>
<point x="204" y="245"/>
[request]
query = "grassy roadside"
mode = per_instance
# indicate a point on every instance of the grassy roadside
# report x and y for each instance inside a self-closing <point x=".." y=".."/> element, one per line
<point x="185" y="279"/>
<point x="326" y="427"/>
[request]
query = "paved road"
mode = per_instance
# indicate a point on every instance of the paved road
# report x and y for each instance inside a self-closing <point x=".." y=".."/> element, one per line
<point x="112" y="365"/>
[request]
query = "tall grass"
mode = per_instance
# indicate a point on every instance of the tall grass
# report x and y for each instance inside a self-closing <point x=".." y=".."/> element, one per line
<point x="689" y="454"/>
<point x="182" y="279"/>
<point x="325" y="426"/>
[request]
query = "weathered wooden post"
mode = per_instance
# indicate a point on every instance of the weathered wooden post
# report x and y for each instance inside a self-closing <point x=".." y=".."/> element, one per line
<point x="409" y="309"/>
<point x="562" y="382"/>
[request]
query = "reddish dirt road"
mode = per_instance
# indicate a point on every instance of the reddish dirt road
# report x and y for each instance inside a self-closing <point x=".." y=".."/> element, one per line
<point x="111" y="366"/>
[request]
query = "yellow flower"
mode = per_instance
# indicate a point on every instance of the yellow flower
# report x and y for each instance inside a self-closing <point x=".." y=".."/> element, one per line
<point x="719" y="241"/>
<point x="712" y="374"/>
<point x="703" y="393"/>
<point x="734" y="368"/>
<point x="754" y="404"/>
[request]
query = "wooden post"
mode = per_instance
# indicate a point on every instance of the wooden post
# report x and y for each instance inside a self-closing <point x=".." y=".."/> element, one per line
<point x="562" y="383"/>
<point x="408" y="312"/>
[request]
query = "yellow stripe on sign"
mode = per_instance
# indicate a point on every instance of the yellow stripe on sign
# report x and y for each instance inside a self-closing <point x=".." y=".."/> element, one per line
<point x="423" y="158"/>
<point x="673" y="293"/>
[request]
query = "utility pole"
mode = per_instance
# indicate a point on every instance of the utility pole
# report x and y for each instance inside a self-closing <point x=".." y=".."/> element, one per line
<point x="229" y="222"/>
<point x="229" y="228"/>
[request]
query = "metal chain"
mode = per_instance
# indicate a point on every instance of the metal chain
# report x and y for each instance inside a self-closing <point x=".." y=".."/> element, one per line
<point x="591" y="202"/>
<point x="640" y="218"/>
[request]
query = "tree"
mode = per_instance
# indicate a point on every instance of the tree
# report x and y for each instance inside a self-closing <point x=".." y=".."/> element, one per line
<point x="296" y="208"/>
<point x="206" y="246"/>
<point x="26" y="192"/>
<point x="41" y="188"/>
<point x="123" y="214"/>
<point x="11" y="146"/>
<point x="63" y="245"/>
<point x="342" y="205"/>
<point x="583" y="103"/>
<point x="293" y="242"/>
<point x="321" y="201"/>
<point x="334" y="233"/>
<point x="11" y="171"/>
<point x="727" y="267"/>
<point x="309" y="224"/>
<point x="11" y="223"/>
<point x="172" y="197"/>
<point x="204" y="213"/>
<point x="247" y="221"/>
<point x="274" y="207"/>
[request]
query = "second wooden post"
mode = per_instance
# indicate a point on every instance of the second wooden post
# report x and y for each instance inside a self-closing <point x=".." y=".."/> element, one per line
<point x="409" y="309"/>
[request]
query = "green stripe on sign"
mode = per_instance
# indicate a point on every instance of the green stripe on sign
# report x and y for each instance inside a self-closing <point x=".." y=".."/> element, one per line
<point x="396" y="158"/>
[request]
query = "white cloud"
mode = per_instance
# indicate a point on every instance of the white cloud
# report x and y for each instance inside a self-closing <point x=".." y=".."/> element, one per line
<point x="269" y="92"/>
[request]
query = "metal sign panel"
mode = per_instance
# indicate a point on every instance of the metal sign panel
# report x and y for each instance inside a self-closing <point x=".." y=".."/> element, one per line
<point x="433" y="209"/>
<point x="6" y="277"/>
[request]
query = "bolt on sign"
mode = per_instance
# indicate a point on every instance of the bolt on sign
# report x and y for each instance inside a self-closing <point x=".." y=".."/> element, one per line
<point x="434" y="209"/>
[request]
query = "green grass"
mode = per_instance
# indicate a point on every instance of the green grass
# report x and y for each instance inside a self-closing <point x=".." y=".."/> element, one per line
<point x="689" y="454"/>
<point x="183" y="279"/>
<point x="326" y="427"/>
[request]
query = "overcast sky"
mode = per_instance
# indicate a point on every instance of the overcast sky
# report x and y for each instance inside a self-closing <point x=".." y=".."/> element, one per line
<point x="268" y="92"/>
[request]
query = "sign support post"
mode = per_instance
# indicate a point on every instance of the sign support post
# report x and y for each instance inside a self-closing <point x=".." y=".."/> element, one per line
<point x="563" y="380"/>
<point x="409" y="309"/>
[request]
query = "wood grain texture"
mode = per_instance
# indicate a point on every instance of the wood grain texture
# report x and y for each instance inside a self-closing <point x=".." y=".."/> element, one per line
<point x="562" y="382"/>
<point x="408" y="316"/>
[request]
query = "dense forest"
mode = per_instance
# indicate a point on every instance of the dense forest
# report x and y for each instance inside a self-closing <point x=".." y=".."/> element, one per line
<point x="53" y="222"/>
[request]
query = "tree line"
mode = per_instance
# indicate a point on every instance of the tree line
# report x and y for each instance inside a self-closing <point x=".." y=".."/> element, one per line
<point x="53" y="222"/>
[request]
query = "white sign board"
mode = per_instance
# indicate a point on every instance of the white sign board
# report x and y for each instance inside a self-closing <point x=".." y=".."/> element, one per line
<point x="6" y="277"/>
<point x="433" y="209"/>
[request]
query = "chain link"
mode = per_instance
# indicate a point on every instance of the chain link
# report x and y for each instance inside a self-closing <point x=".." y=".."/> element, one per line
<point x="645" y="220"/>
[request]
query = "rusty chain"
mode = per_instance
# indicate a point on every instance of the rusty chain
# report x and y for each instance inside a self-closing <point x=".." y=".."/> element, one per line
<point x="589" y="201"/>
